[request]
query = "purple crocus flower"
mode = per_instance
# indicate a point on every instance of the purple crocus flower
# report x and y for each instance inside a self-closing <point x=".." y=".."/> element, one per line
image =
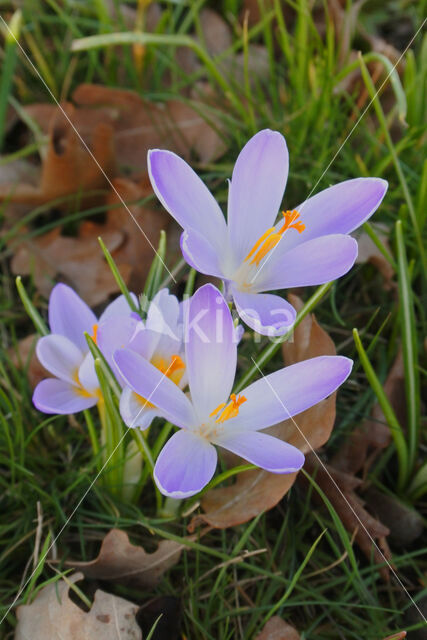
<point x="251" y="253"/>
<point x="160" y="341"/>
<point x="65" y="353"/>
<point x="211" y="416"/>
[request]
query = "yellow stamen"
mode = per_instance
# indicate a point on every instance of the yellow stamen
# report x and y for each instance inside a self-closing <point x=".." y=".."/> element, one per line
<point x="271" y="237"/>
<point x="174" y="371"/>
<point x="231" y="410"/>
<point x="259" y="242"/>
<point x="95" y="333"/>
<point x="266" y="247"/>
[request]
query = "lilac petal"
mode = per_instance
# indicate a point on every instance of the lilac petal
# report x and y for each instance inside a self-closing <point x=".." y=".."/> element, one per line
<point x="314" y="262"/>
<point x="211" y="351"/>
<point x="163" y="319"/>
<point x="289" y="391"/>
<point x="69" y="316"/>
<point x="60" y="356"/>
<point x="145" y="342"/>
<point x="199" y="253"/>
<point x="185" y="465"/>
<point x="116" y="332"/>
<point x="186" y="197"/>
<point x="119" y="307"/>
<point x="256" y="190"/>
<point x="152" y="384"/>
<point x="134" y="413"/>
<point x="264" y="450"/>
<point x="87" y="374"/>
<point x="163" y="311"/>
<point x="339" y="209"/>
<point x="56" y="396"/>
<point x="265" y="313"/>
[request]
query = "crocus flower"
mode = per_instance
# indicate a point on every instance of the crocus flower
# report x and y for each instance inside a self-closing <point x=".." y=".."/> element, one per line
<point x="160" y="341"/>
<point x="65" y="353"/>
<point x="211" y="416"/>
<point x="310" y="244"/>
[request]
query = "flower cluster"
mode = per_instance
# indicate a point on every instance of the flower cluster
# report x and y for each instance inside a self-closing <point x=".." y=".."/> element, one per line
<point x="179" y="363"/>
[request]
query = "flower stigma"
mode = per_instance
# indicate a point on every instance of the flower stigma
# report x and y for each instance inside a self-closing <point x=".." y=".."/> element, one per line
<point x="229" y="410"/>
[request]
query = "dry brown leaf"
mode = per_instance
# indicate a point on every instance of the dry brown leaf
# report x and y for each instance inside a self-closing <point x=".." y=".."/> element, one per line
<point x="118" y="559"/>
<point x="351" y="512"/>
<point x="400" y="635"/>
<point x="67" y="167"/>
<point x="140" y="125"/>
<point x="138" y="249"/>
<point x="53" y="616"/>
<point x="77" y="261"/>
<point x="257" y="491"/>
<point x="369" y="252"/>
<point x="367" y="441"/>
<point x="278" y="629"/>
<point x="217" y="35"/>
<point x="24" y="357"/>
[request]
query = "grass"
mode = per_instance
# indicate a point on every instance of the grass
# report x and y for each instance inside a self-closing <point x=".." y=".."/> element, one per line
<point x="296" y="561"/>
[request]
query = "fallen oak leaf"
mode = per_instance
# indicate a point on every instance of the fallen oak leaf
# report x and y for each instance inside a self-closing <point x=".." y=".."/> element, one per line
<point x="278" y="629"/>
<point x="67" y="167"/>
<point x="140" y="225"/>
<point x="369" y="252"/>
<point x="367" y="441"/>
<point x="119" y="559"/>
<point x="351" y="512"/>
<point x="256" y="491"/>
<point x="52" y="615"/>
<point x="78" y="261"/>
<point x="140" y="125"/>
<point x="23" y="356"/>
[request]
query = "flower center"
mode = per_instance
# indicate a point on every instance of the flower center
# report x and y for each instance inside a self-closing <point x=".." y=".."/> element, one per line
<point x="271" y="237"/>
<point x="230" y="410"/>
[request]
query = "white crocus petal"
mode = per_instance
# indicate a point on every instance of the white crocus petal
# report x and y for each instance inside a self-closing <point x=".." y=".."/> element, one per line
<point x="211" y="351"/>
<point x="60" y="357"/>
<point x="134" y="410"/>
<point x="87" y="375"/>
<point x="119" y="307"/>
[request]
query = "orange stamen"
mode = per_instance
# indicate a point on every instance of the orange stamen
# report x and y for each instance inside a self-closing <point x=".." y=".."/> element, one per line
<point x="231" y="410"/>
<point x="271" y="237"/>
<point x="95" y="333"/>
<point x="259" y="242"/>
<point x="266" y="247"/>
<point x="290" y="218"/>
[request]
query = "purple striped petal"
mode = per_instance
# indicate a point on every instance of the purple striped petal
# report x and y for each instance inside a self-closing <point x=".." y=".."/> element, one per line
<point x="314" y="262"/>
<point x="199" y="253"/>
<point x="256" y="190"/>
<point x="152" y="384"/>
<point x="119" y="307"/>
<point x="265" y="313"/>
<point x="69" y="316"/>
<point x="264" y="450"/>
<point x="211" y="351"/>
<point x="134" y="413"/>
<point x="289" y="391"/>
<point x="60" y="356"/>
<point x="186" y="197"/>
<point x="339" y="209"/>
<point x="56" y="396"/>
<point x="185" y="465"/>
